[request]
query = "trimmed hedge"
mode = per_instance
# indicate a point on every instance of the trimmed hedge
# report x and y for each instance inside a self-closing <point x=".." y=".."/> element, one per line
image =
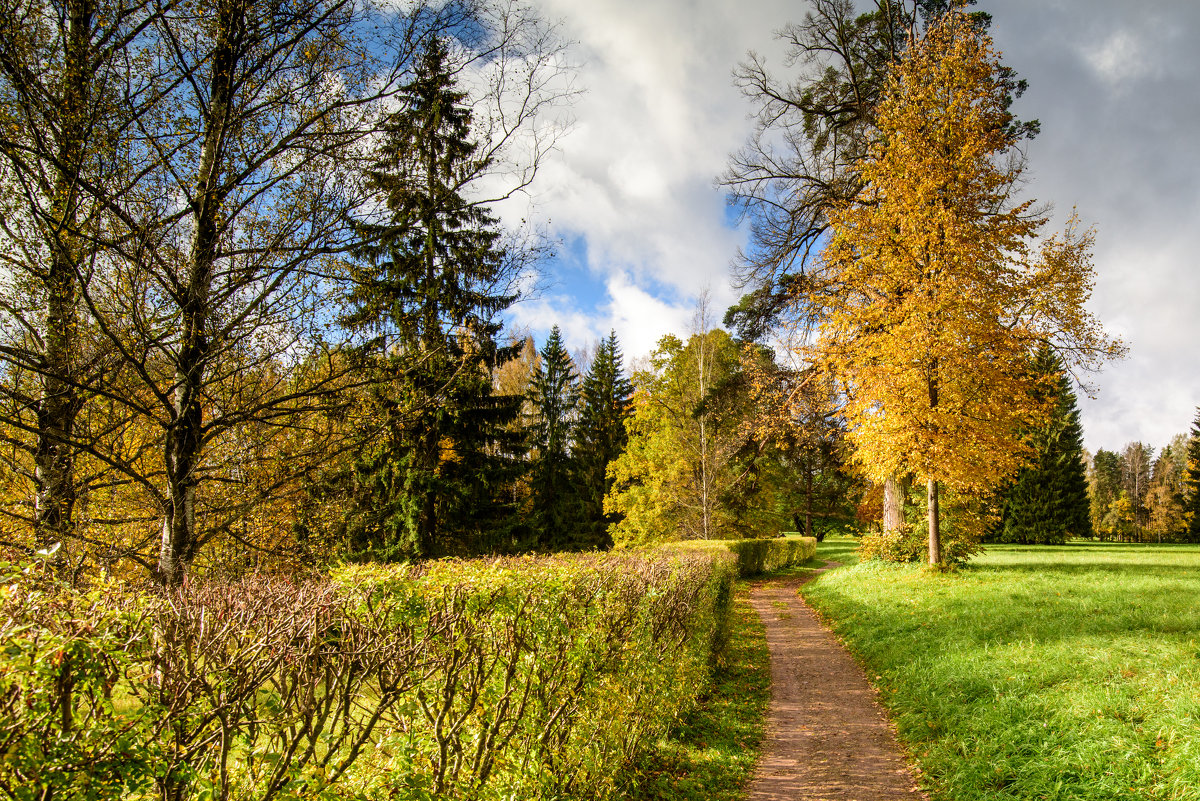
<point x="756" y="556"/>
<point x="530" y="678"/>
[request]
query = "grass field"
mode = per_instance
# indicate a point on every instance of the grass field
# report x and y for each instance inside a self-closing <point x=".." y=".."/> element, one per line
<point x="710" y="756"/>
<point x="1058" y="673"/>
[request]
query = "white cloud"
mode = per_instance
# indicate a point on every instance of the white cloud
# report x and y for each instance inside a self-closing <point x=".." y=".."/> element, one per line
<point x="1111" y="82"/>
<point x="635" y="178"/>
<point x="640" y="318"/>
<point x="1120" y="58"/>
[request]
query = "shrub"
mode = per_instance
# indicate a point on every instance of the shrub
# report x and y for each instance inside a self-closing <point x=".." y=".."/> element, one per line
<point x="64" y="729"/>
<point x="532" y="678"/>
<point x="911" y="544"/>
<point x="756" y="556"/>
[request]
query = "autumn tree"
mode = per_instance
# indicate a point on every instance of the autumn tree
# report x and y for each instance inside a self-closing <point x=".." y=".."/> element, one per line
<point x="937" y="301"/>
<point x="1192" y="483"/>
<point x="210" y="159"/>
<point x="71" y="88"/>
<point x="689" y="463"/>
<point x="1104" y="487"/>
<point x="1165" y="497"/>
<point x="1137" y="459"/>
<point x="797" y="416"/>
<point x="812" y="130"/>
<point x="605" y="403"/>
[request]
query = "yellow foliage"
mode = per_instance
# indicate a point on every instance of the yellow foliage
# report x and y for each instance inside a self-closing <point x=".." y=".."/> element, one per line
<point x="937" y="295"/>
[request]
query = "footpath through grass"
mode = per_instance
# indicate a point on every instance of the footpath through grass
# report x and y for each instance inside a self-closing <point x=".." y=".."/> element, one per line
<point x="712" y="753"/>
<point x="1055" y="673"/>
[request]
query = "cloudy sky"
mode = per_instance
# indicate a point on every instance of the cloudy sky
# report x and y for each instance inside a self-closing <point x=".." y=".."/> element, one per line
<point x="644" y="230"/>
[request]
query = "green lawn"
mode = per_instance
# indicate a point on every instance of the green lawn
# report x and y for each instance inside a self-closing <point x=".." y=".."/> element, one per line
<point x="1066" y="672"/>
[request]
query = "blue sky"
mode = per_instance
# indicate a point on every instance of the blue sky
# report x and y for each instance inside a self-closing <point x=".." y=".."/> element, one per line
<point x="631" y="190"/>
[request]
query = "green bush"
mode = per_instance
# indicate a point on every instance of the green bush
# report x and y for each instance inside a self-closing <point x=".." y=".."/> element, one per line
<point x="911" y="544"/>
<point x="759" y="556"/>
<point x="483" y="679"/>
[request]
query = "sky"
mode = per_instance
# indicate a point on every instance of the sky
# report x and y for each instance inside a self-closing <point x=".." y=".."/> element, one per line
<point x="643" y="229"/>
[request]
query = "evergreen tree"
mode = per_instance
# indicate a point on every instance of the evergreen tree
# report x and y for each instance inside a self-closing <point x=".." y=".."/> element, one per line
<point x="606" y="402"/>
<point x="1048" y="501"/>
<point x="553" y="395"/>
<point x="431" y="482"/>
<point x="1104" y="487"/>
<point x="1192" y="492"/>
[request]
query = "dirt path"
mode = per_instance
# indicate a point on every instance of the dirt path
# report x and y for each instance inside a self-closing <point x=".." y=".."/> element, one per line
<point x="827" y="737"/>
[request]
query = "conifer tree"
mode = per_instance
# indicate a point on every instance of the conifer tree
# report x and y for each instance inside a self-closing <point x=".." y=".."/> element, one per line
<point x="1192" y="497"/>
<point x="1048" y="501"/>
<point x="553" y="395"/>
<point x="424" y="296"/>
<point x="606" y="402"/>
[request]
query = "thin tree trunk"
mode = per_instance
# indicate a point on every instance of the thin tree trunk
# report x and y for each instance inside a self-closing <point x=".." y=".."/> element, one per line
<point x="184" y="442"/>
<point x="808" y="500"/>
<point x="704" y="477"/>
<point x="935" y="539"/>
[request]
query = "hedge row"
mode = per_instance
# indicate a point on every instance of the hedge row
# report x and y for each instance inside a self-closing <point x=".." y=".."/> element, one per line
<point x="759" y="555"/>
<point x="522" y="678"/>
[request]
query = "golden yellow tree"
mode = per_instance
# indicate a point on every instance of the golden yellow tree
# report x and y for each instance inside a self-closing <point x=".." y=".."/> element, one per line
<point x="939" y="294"/>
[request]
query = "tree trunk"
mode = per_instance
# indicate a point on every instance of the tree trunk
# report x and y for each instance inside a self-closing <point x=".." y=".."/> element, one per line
<point x="935" y="537"/>
<point x="185" y="433"/>
<point x="893" y="503"/>
<point x="808" y="500"/>
<point x="54" y="458"/>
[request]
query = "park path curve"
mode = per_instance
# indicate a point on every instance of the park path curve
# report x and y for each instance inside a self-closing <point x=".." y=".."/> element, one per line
<point x="827" y="738"/>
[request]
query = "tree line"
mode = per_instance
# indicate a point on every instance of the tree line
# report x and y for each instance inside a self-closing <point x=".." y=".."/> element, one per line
<point x="1138" y="495"/>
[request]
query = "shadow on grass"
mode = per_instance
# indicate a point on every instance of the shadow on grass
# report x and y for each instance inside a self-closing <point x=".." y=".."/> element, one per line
<point x="1036" y="672"/>
<point x="1125" y="569"/>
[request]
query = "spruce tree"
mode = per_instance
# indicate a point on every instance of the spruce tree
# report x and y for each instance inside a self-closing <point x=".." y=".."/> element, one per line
<point x="1048" y="501"/>
<point x="424" y="298"/>
<point x="553" y="396"/>
<point x="605" y="404"/>
<point x="1191" y="508"/>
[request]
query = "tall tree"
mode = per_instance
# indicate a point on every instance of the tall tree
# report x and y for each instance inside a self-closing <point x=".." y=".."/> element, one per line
<point x="557" y="509"/>
<point x="430" y="283"/>
<point x="204" y="222"/>
<point x="690" y="460"/>
<point x="812" y="131"/>
<point x="1104" y="487"/>
<point x="1047" y="502"/>
<point x="606" y="401"/>
<point x="1137" y="459"/>
<point x="938" y="300"/>
<point x="1165" y="498"/>
<point x="1192" y="482"/>
<point x="69" y="91"/>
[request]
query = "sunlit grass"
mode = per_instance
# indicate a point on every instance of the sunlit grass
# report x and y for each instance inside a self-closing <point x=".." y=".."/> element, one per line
<point x="1066" y="672"/>
<point x="711" y="755"/>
